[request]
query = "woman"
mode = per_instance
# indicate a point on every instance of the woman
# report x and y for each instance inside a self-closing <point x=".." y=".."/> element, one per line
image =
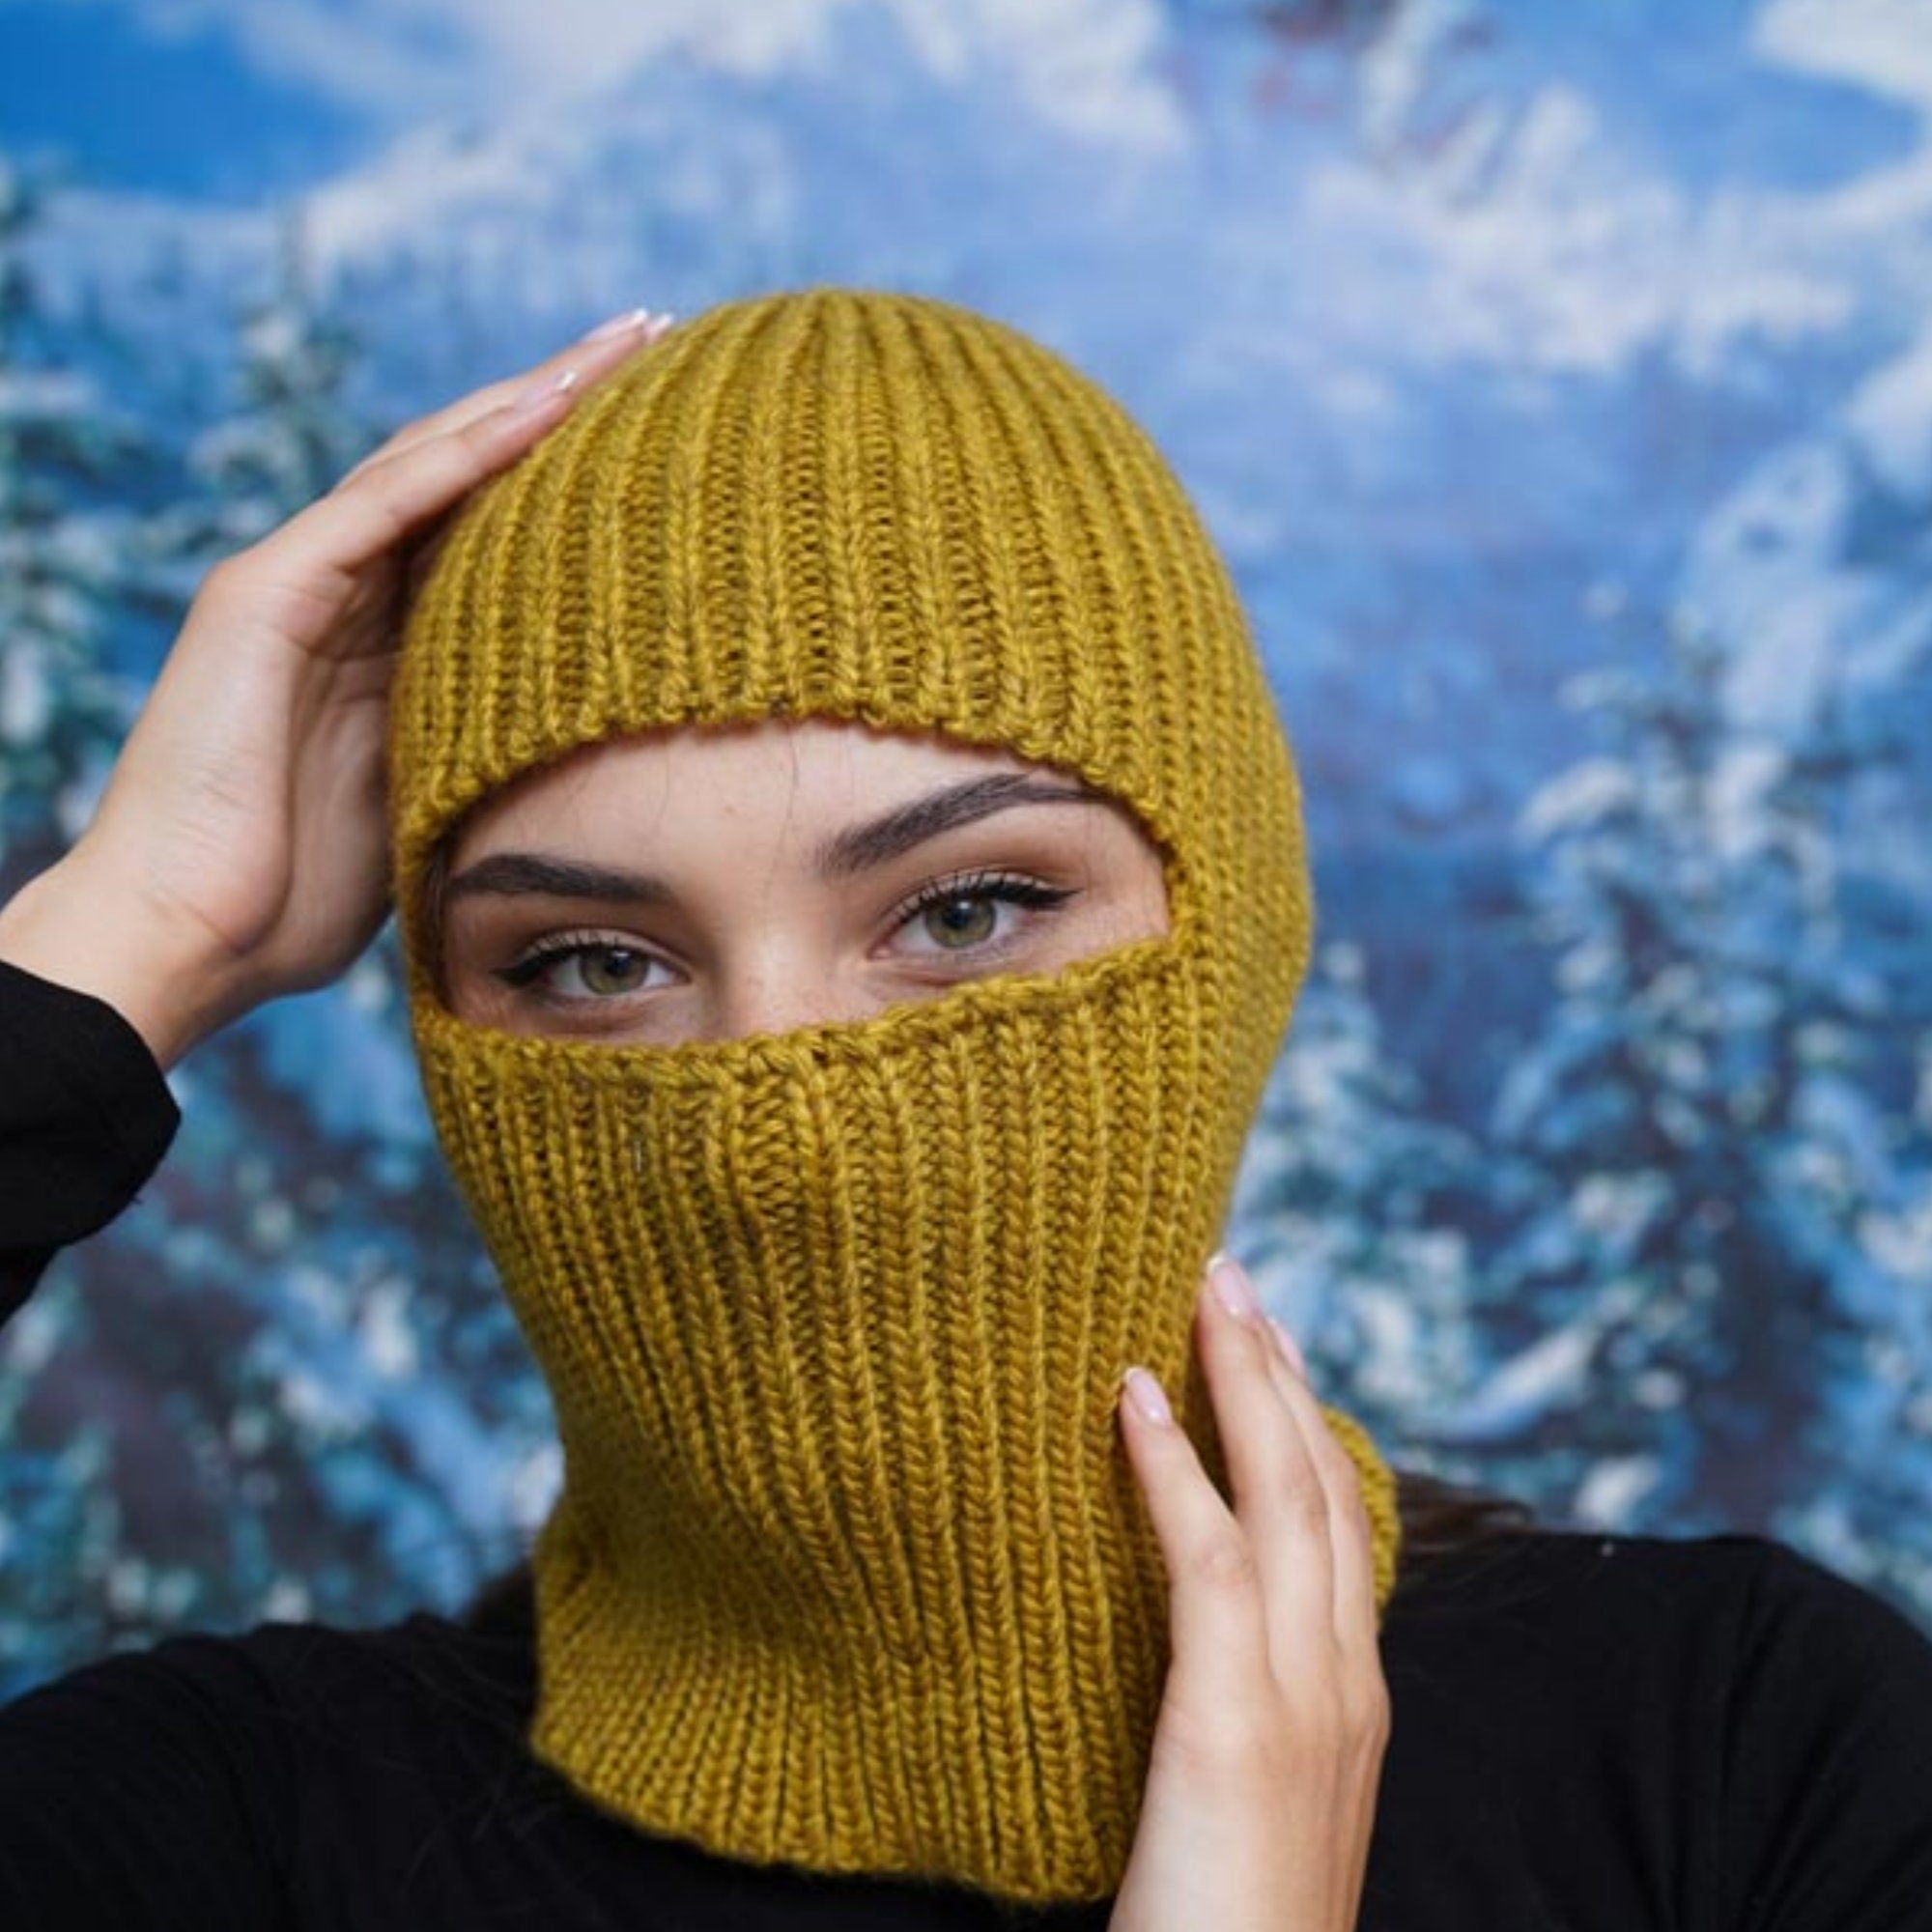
<point x="851" y="882"/>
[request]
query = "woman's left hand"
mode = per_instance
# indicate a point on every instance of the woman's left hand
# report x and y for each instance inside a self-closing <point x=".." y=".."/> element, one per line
<point x="1261" y="1791"/>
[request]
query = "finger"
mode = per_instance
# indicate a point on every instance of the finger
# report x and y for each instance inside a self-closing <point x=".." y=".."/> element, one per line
<point x="391" y="502"/>
<point x="569" y="372"/>
<point x="1279" y="1495"/>
<point x="590" y="356"/>
<point x="318" y="581"/>
<point x="1215" y="1618"/>
<point x="395" y="499"/>
<point x="498" y="425"/>
<point x="1351" y="1540"/>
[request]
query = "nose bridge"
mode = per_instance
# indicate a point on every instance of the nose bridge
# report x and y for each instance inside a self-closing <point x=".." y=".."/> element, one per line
<point x="775" y="983"/>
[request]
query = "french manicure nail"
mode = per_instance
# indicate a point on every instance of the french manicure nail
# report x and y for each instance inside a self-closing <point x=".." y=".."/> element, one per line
<point x="634" y="321"/>
<point x="1233" y="1287"/>
<point x="541" y="395"/>
<point x="1148" y="1396"/>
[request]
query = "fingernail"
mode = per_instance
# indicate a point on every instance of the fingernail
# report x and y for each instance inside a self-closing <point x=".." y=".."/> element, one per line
<point x="542" y="395"/>
<point x="1290" y="1348"/>
<point x="1149" y="1399"/>
<point x="634" y="321"/>
<point x="1233" y="1287"/>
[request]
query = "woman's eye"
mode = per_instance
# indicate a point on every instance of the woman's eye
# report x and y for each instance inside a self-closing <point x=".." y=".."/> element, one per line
<point x="586" y="969"/>
<point x="612" y="969"/>
<point x="966" y="918"/>
<point x="975" y="914"/>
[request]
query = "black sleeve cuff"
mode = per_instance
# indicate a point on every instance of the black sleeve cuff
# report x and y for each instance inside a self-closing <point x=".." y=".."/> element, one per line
<point x="85" y="1115"/>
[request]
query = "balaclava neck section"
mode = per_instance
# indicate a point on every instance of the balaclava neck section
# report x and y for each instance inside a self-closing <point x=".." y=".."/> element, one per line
<point x="847" y="1571"/>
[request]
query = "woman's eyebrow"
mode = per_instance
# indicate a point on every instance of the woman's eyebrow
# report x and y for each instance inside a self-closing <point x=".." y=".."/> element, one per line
<point x="861" y="846"/>
<point x="520" y="874"/>
<point x="533" y="874"/>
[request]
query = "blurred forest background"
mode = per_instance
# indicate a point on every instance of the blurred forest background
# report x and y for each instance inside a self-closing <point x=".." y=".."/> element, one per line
<point x="1557" y="380"/>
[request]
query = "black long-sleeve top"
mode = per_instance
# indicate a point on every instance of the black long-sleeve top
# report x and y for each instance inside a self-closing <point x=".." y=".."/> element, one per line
<point x="1589" y="1732"/>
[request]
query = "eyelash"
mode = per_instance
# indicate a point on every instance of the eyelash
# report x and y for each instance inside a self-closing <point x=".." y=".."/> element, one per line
<point x="1005" y="887"/>
<point x="523" y="971"/>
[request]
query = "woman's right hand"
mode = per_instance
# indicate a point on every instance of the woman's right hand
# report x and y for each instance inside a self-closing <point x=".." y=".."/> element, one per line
<point x="1261" y="1791"/>
<point x="239" y="851"/>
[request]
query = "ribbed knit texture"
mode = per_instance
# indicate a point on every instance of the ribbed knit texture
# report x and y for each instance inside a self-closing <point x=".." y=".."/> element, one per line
<point x="848" y="1569"/>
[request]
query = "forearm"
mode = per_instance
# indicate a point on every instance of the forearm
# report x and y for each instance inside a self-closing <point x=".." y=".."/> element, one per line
<point x="77" y="926"/>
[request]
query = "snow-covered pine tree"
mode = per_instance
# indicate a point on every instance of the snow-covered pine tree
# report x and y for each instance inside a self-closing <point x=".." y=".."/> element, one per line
<point x="64" y="584"/>
<point x="1348" y="1212"/>
<point x="1855" y="1172"/>
<point x="62" y="563"/>
<point x="294" y="432"/>
<point x="1702" y="1120"/>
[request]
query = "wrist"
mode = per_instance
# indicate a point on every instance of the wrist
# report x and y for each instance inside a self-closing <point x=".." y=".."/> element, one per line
<point x="78" y="926"/>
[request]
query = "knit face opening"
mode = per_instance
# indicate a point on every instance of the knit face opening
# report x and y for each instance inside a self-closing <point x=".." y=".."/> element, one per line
<point x="425" y="912"/>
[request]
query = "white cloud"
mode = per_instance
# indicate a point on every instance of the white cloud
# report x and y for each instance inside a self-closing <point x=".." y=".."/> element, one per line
<point x="1555" y="265"/>
<point x="1883" y="45"/>
<point x="1083" y="64"/>
<point x="498" y="119"/>
<point x="1890" y="420"/>
<point x="1577" y="253"/>
<point x="402" y="58"/>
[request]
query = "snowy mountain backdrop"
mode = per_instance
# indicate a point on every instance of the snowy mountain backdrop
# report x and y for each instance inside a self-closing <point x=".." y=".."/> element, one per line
<point x="1559" y="382"/>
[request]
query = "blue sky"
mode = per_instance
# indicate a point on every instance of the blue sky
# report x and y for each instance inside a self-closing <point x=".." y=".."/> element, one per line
<point x="242" y="100"/>
<point x="130" y="109"/>
<point x="245" y="99"/>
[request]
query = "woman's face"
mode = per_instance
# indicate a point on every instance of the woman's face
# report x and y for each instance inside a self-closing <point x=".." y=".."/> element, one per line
<point x="705" y="885"/>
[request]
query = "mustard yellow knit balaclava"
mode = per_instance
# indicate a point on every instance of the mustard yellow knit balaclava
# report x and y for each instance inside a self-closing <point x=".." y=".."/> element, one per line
<point x="848" y="1569"/>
